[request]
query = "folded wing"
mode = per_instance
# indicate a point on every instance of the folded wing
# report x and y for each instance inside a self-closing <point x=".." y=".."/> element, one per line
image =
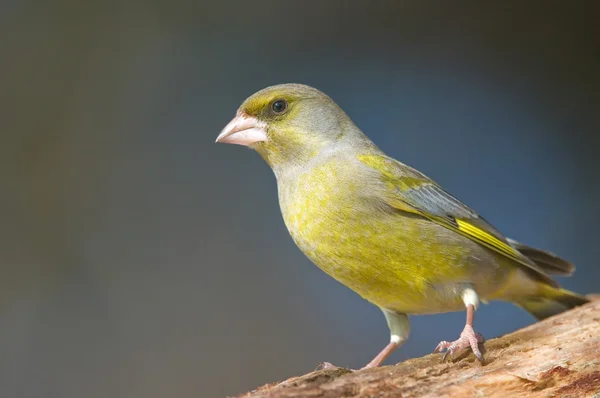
<point x="411" y="191"/>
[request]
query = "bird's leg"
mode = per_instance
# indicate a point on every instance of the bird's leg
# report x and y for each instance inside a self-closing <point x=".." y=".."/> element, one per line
<point x="399" y="329"/>
<point x="468" y="337"/>
<point x="375" y="362"/>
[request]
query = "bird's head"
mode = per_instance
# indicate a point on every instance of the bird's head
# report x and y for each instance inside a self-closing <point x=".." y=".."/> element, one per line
<point x="288" y="124"/>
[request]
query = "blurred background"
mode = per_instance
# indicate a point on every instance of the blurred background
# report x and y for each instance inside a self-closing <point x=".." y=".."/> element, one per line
<point x="140" y="259"/>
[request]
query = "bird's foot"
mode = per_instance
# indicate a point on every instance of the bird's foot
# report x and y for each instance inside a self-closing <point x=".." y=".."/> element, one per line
<point x="468" y="338"/>
<point x="326" y="366"/>
<point x="330" y="366"/>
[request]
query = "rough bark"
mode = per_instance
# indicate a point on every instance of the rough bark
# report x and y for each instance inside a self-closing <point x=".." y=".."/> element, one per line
<point x="558" y="357"/>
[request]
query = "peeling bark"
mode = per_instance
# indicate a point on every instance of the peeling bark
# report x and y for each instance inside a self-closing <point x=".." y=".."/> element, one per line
<point x="559" y="356"/>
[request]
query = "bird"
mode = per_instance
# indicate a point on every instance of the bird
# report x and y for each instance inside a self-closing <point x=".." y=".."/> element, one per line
<point x="384" y="229"/>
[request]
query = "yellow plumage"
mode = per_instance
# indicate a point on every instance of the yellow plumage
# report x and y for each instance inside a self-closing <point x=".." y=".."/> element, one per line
<point x="382" y="228"/>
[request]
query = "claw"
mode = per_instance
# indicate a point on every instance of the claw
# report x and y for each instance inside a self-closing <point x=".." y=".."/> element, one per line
<point x="448" y="347"/>
<point x="468" y="338"/>
<point x="326" y="365"/>
<point x="451" y="352"/>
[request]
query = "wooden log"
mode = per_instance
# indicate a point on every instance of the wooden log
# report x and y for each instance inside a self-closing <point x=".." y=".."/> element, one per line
<point x="558" y="357"/>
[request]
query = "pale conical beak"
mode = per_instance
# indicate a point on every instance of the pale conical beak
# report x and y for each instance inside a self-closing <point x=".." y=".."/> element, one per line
<point x="243" y="130"/>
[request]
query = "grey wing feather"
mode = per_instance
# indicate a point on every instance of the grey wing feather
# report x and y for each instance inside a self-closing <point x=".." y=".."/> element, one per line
<point x="549" y="262"/>
<point x="433" y="199"/>
<point x="436" y="201"/>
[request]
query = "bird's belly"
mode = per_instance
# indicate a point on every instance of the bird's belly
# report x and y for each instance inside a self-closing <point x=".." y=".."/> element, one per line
<point x="402" y="263"/>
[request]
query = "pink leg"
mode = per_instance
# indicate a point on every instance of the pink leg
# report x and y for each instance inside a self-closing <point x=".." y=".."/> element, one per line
<point x="468" y="338"/>
<point x="375" y="362"/>
<point x="399" y="328"/>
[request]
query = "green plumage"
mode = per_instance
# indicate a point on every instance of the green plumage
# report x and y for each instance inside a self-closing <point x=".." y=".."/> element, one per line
<point x="383" y="229"/>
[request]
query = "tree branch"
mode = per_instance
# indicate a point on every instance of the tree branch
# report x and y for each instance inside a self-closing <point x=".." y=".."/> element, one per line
<point x="559" y="356"/>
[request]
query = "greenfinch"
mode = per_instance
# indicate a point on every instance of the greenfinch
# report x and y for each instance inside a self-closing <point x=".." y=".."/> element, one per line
<point x="384" y="229"/>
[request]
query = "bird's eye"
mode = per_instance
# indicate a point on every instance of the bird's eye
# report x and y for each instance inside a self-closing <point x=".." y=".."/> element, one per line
<point x="279" y="106"/>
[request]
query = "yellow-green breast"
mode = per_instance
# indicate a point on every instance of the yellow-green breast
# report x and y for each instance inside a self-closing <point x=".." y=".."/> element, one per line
<point x="393" y="259"/>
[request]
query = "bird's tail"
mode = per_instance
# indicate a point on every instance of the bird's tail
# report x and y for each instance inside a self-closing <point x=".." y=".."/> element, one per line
<point x="550" y="263"/>
<point x="550" y="301"/>
<point x="547" y="300"/>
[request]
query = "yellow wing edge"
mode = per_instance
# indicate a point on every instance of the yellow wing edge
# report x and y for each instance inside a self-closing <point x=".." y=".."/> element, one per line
<point x="488" y="239"/>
